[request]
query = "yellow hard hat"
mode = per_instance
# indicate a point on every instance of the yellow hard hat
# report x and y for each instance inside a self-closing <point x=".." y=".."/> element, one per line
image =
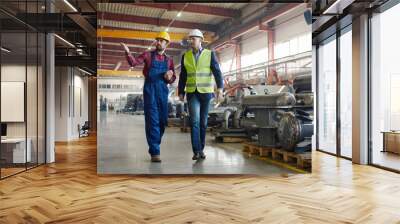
<point x="163" y="35"/>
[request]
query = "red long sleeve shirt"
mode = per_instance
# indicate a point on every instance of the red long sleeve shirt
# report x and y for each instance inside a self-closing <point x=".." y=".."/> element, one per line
<point x="145" y="58"/>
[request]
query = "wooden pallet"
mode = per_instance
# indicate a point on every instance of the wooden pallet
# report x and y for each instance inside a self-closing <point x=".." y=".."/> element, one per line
<point x="253" y="149"/>
<point x="185" y="129"/>
<point x="174" y="125"/>
<point x="300" y="160"/>
<point x="230" y="139"/>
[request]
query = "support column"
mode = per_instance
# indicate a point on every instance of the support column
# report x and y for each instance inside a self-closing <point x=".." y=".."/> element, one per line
<point x="50" y="101"/>
<point x="92" y="101"/>
<point x="360" y="90"/>
<point x="314" y="90"/>
<point x="238" y="58"/>
<point x="50" y="93"/>
<point x="271" y="56"/>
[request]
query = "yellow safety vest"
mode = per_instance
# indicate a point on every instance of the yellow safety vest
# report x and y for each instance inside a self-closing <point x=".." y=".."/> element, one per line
<point x="199" y="74"/>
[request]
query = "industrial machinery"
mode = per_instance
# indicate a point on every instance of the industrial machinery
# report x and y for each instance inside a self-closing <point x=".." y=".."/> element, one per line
<point x="103" y="103"/>
<point x="278" y="116"/>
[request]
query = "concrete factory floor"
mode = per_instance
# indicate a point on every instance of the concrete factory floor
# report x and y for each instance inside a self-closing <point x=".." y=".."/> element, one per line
<point x="122" y="149"/>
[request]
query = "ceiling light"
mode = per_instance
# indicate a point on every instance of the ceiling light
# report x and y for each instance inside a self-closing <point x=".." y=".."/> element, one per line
<point x="179" y="14"/>
<point x="64" y="40"/>
<point x="337" y="7"/>
<point x="86" y="72"/>
<point x="70" y="5"/>
<point x="167" y="29"/>
<point x="5" y="49"/>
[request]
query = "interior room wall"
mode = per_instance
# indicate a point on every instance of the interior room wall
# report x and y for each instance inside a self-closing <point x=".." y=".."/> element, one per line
<point x="33" y="125"/>
<point x="71" y="102"/>
<point x="14" y="73"/>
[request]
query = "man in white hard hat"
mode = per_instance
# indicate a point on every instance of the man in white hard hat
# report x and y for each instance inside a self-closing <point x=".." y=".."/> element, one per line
<point x="199" y="71"/>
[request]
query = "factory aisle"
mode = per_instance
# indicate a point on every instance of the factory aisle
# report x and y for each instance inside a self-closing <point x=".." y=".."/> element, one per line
<point x="122" y="149"/>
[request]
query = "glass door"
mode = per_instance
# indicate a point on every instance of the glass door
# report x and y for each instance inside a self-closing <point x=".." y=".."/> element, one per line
<point x="346" y="92"/>
<point x="326" y="103"/>
<point x="385" y="89"/>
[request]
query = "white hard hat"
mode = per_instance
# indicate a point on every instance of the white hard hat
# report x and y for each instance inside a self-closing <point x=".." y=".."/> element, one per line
<point x="196" y="33"/>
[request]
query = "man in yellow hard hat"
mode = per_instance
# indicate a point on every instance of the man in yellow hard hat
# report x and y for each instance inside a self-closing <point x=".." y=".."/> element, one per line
<point x="158" y="72"/>
<point x="199" y="71"/>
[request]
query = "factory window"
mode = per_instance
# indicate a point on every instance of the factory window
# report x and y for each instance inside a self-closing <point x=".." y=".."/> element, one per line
<point x="385" y="89"/>
<point x="282" y="49"/>
<point x="327" y="96"/>
<point x="346" y="92"/>
<point x="226" y="58"/>
<point x="304" y="43"/>
<point x="296" y="45"/>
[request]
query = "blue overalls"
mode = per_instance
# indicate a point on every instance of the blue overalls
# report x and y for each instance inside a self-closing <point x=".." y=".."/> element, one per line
<point x="155" y="96"/>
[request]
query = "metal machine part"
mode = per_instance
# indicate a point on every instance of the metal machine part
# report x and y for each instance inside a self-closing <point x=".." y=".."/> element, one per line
<point x="305" y="99"/>
<point x="302" y="83"/>
<point x="266" y="108"/>
<point x="222" y="116"/>
<point x="293" y="129"/>
<point x="267" y="137"/>
<point x="282" y="119"/>
<point x="269" y="101"/>
<point x="172" y="109"/>
<point x="277" y="116"/>
<point x="268" y="89"/>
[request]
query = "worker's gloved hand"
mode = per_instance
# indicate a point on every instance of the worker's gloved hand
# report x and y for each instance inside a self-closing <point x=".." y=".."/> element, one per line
<point x="219" y="95"/>
<point x="168" y="75"/>
<point x="126" y="48"/>
<point x="181" y="97"/>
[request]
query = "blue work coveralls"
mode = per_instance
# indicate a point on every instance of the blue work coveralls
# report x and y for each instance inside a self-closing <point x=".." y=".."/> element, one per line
<point x="155" y="96"/>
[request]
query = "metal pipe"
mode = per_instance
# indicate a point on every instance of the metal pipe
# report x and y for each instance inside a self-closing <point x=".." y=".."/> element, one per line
<point x="236" y="118"/>
<point x="227" y="114"/>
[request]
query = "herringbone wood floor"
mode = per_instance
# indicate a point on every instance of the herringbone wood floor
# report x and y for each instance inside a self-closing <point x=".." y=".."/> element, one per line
<point x="69" y="191"/>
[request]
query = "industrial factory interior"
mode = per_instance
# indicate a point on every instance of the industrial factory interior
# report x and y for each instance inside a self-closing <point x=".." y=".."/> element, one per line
<point x="279" y="111"/>
<point x="246" y="113"/>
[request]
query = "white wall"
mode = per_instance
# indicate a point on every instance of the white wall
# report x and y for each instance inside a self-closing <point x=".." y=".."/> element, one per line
<point x="12" y="73"/>
<point x="33" y="126"/>
<point x="71" y="102"/>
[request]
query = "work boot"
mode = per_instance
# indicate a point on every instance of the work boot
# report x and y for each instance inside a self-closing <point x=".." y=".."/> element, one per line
<point x="202" y="155"/>
<point x="196" y="156"/>
<point x="155" y="159"/>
